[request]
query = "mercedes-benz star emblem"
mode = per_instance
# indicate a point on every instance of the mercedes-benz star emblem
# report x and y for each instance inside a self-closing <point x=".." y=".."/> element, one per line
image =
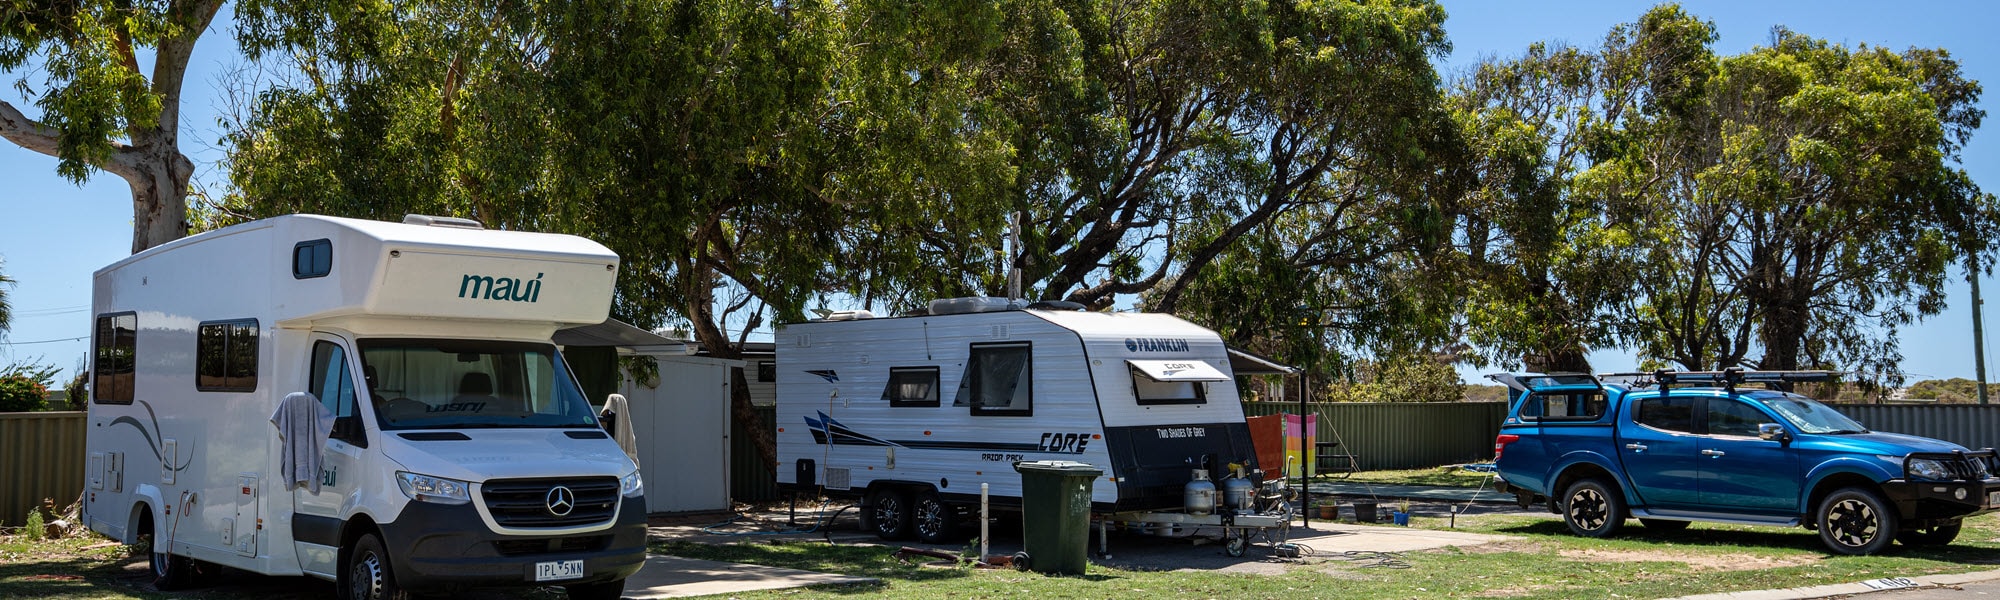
<point x="561" y="501"/>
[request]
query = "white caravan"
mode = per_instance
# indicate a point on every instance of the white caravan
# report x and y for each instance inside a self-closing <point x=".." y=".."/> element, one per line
<point x="913" y="413"/>
<point x="461" y="452"/>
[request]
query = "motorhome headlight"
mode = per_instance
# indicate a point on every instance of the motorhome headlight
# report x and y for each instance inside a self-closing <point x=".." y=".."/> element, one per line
<point x="425" y="488"/>
<point x="631" y="485"/>
<point x="1924" y="468"/>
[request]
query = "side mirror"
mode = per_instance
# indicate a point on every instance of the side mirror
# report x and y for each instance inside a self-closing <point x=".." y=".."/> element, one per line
<point x="347" y="428"/>
<point x="1773" y="431"/>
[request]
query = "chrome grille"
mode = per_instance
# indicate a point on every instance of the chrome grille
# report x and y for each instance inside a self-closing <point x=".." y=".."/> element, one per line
<point x="524" y="502"/>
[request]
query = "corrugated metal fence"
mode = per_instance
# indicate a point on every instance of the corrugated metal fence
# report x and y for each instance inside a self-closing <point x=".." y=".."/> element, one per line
<point x="1971" y="425"/>
<point x="41" y="456"/>
<point x="1402" y="435"/>
<point x="749" y="479"/>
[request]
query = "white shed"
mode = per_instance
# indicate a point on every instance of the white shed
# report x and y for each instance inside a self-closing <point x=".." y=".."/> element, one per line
<point x="681" y="422"/>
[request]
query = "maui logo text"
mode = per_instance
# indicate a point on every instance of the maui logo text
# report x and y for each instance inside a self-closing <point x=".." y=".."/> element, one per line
<point x="511" y="289"/>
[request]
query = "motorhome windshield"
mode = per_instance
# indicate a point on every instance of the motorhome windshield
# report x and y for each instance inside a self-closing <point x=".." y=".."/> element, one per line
<point x="457" y="384"/>
<point x="1812" y="417"/>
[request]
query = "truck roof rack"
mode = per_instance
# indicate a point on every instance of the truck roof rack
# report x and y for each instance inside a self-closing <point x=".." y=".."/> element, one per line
<point x="1729" y="378"/>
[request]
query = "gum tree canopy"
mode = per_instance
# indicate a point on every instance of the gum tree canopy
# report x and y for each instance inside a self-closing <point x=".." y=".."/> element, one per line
<point x="99" y="109"/>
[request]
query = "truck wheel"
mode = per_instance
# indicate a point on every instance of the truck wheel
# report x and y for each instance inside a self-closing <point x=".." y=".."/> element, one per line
<point x="934" y="521"/>
<point x="368" y="575"/>
<point x="603" y="590"/>
<point x="889" y="511"/>
<point x="169" y="572"/>
<point x="1592" y="509"/>
<point x="1929" y="536"/>
<point x="1664" y="525"/>
<point x="1856" y="521"/>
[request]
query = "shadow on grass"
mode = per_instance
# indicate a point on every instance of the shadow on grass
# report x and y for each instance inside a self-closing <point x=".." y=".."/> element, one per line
<point x="68" y="577"/>
<point x="860" y="561"/>
<point x="1772" y="538"/>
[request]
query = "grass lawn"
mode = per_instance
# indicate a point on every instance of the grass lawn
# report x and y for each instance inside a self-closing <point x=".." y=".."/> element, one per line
<point x="1450" y="477"/>
<point x="1547" y="562"/>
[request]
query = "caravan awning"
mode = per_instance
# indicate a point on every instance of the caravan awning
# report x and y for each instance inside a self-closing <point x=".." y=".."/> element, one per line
<point x="1178" y="370"/>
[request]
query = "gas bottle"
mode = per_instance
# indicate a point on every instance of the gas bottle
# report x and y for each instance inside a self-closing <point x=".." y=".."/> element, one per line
<point x="1199" y="495"/>
<point x="1239" y="492"/>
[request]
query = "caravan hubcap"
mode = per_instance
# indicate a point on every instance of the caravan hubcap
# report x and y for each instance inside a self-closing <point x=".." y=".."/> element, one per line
<point x="930" y="518"/>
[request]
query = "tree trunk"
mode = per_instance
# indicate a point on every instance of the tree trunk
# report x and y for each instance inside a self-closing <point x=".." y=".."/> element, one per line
<point x="760" y="433"/>
<point x="159" y="176"/>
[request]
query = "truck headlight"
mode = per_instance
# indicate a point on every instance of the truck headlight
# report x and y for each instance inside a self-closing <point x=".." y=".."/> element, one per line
<point x="1924" y="468"/>
<point x="425" y="488"/>
<point x="631" y="485"/>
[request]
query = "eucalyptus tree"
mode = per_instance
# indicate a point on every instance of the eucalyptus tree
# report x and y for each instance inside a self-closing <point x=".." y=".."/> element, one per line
<point x="745" y="159"/>
<point x="99" y="109"/>
<point x="1152" y="137"/>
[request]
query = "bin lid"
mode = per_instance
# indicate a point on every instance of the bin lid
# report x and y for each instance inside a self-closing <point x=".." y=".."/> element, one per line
<point x="1064" y="467"/>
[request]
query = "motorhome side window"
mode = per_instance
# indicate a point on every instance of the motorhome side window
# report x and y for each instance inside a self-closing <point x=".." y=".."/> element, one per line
<point x="116" y="356"/>
<point x="312" y="259"/>
<point x="912" y="386"/>
<point x="225" y="356"/>
<point x="331" y="382"/>
<point x="998" y="380"/>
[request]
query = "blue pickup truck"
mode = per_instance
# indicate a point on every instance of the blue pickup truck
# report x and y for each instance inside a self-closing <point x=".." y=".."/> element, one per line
<point x="1669" y="448"/>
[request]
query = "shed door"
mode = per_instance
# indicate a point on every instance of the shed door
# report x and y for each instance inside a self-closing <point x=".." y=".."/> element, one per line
<point x="683" y="433"/>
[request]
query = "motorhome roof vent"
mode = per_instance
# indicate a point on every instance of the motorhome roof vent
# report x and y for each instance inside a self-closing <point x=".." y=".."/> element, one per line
<point x="432" y="221"/>
<point x="954" y="306"/>
<point x="849" y="315"/>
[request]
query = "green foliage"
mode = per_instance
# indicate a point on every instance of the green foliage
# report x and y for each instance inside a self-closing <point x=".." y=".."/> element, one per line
<point x="1957" y="390"/>
<point x="24" y="387"/>
<point x="1403" y="378"/>
<point x="78" y="388"/>
<point x="6" y="308"/>
<point x="33" y="529"/>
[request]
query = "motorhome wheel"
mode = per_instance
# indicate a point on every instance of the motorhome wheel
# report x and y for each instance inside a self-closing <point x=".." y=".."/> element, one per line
<point x="368" y="573"/>
<point x="169" y="572"/>
<point x="934" y="520"/>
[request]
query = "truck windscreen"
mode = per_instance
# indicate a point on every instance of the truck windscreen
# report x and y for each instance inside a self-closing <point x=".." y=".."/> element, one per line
<point x="462" y="384"/>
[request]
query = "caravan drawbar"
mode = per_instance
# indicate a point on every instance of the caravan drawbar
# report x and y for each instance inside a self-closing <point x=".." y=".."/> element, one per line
<point x="451" y="447"/>
<point x="911" y="414"/>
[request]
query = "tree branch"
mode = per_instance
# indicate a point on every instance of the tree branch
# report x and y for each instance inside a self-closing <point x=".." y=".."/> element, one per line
<point x="28" y="133"/>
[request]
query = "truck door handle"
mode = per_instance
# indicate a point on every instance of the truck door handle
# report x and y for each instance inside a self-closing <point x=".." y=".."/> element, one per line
<point x="1712" y="453"/>
<point x="1636" y="447"/>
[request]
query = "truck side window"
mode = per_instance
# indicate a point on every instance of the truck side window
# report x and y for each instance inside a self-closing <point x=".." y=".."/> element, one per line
<point x="117" y="349"/>
<point x="911" y="386"/>
<point x="225" y="356"/>
<point x="998" y="380"/>
<point x="1586" y="405"/>
<point x="1728" y="416"/>
<point x="334" y="387"/>
<point x="1672" y="413"/>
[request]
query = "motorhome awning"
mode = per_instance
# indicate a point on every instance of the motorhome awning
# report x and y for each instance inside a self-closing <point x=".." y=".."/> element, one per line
<point x="1178" y="370"/>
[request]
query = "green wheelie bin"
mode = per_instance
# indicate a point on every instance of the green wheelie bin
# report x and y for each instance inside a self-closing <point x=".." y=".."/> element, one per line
<point x="1055" y="515"/>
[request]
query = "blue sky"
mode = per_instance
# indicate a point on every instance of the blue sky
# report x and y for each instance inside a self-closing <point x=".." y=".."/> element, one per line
<point x="54" y="234"/>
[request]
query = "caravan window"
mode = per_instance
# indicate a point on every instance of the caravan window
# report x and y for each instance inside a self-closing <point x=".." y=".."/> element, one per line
<point x="225" y="356"/>
<point x="1150" y="392"/>
<point x="446" y="384"/>
<point x="912" y="386"/>
<point x="998" y="380"/>
<point x="116" y="356"/>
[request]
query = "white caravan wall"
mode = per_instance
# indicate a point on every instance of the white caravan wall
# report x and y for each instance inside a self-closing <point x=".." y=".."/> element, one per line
<point x="683" y="432"/>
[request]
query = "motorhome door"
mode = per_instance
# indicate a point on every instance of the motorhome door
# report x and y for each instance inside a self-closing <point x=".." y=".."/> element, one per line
<point x="316" y="515"/>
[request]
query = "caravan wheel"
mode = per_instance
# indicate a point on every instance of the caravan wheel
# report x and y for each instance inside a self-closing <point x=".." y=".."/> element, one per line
<point x="889" y="512"/>
<point x="935" y="521"/>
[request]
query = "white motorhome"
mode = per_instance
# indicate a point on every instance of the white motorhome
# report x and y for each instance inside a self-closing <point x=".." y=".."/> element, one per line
<point x="461" y="452"/>
<point x="913" y="413"/>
